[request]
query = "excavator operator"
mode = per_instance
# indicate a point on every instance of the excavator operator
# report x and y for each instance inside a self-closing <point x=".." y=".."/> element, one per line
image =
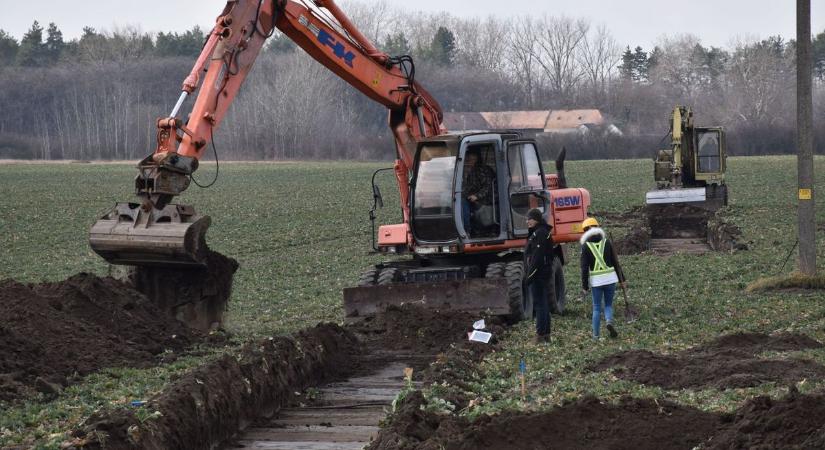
<point x="477" y="193"/>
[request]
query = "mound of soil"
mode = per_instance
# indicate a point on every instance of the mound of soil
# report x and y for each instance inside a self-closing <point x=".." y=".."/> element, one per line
<point x="795" y="422"/>
<point x="586" y="423"/>
<point x="636" y="241"/>
<point x="419" y="330"/>
<point x="728" y="362"/>
<point x="207" y="406"/>
<point x="51" y="333"/>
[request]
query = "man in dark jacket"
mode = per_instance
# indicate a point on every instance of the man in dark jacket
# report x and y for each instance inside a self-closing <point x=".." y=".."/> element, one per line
<point x="538" y="271"/>
<point x="600" y="272"/>
<point x="478" y="187"/>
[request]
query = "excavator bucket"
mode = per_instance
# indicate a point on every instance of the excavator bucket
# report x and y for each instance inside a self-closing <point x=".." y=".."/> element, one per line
<point x="477" y="295"/>
<point x="170" y="237"/>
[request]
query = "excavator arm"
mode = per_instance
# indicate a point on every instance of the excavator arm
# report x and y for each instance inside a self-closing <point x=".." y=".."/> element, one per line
<point x="156" y="232"/>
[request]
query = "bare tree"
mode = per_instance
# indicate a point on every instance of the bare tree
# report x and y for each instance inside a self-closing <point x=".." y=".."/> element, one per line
<point x="483" y="43"/>
<point x="375" y="19"/>
<point x="598" y="58"/>
<point x="559" y="42"/>
<point x="760" y="77"/>
<point x="674" y="66"/>
<point x="520" y="55"/>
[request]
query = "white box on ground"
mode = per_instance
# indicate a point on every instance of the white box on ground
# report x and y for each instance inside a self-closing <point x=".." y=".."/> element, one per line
<point x="479" y="325"/>
<point x="480" y="336"/>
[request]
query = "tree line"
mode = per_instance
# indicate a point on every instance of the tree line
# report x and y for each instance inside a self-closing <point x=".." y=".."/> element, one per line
<point x="97" y="96"/>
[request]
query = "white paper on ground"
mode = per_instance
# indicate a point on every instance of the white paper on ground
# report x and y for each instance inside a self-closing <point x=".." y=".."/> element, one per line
<point x="480" y="336"/>
<point x="479" y="325"/>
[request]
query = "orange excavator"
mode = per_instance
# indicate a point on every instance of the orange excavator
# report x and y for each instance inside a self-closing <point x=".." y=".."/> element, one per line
<point x="460" y="254"/>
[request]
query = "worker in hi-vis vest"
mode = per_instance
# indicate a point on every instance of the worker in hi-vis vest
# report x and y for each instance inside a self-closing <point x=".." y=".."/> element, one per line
<point x="600" y="273"/>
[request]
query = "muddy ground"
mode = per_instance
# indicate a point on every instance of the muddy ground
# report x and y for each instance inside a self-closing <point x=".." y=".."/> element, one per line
<point x="587" y="423"/>
<point x="794" y="422"/>
<point x="212" y="403"/>
<point x="56" y="332"/>
<point x="420" y="330"/>
<point x="53" y="333"/>
<point x="637" y="228"/>
<point x="728" y="362"/>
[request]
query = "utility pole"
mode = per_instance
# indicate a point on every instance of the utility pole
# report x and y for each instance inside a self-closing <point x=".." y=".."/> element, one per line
<point x="804" y="140"/>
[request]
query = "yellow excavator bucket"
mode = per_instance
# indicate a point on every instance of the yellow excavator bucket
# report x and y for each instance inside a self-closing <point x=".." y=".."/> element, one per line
<point x="173" y="236"/>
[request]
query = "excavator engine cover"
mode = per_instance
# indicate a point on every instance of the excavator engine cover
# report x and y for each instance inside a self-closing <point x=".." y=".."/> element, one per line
<point x="173" y="236"/>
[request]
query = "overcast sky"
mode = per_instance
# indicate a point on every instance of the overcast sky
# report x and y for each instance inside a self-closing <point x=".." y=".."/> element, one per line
<point x="632" y="22"/>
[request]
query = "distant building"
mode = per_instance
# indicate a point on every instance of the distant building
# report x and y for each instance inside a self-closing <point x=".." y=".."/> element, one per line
<point x="582" y="121"/>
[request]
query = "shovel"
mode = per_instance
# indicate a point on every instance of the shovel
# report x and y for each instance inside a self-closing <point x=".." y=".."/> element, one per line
<point x="630" y="313"/>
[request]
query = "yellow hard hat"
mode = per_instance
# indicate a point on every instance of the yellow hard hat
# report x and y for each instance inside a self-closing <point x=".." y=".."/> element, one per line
<point x="590" y="222"/>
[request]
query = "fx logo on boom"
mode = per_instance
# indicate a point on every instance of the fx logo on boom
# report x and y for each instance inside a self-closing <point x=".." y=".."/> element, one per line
<point x="327" y="39"/>
<point x="337" y="48"/>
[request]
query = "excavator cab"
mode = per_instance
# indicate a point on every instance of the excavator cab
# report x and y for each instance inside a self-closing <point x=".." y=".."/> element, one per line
<point x="692" y="170"/>
<point x="467" y="251"/>
<point x="473" y="190"/>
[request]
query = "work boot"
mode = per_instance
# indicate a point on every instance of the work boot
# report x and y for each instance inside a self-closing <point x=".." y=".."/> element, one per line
<point x="542" y="339"/>
<point x="612" y="331"/>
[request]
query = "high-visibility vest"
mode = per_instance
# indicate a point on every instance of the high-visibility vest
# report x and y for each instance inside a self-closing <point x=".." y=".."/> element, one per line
<point x="601" y="274"/>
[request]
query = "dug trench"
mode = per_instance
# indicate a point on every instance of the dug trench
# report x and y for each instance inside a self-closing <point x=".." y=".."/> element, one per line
<point x="669" y="229"/>
<point x="252" y="396"/>
<point x="266" y="395"/>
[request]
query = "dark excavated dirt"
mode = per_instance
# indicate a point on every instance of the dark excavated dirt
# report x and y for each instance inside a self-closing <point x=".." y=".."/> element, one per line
<point x="730" y="361"/>
<point x="197" y="297"/>
<point x="794" y="422"/>
<point x="645" y="224"/>
<point x="51" y="333"/>
<point x="635" y="424"/>
<point x="420" y="330"/>
<point x="210" y="404"/>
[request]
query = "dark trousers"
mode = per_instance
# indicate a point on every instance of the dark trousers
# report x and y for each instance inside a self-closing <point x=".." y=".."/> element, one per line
<point x="540" y="288"/>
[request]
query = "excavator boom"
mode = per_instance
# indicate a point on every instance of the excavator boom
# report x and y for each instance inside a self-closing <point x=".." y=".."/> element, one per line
<point x="155" y="232"/>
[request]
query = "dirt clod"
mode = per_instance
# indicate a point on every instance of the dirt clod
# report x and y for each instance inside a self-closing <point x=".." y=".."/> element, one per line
<point x="728" y="362"/>
<point x="56" y="332"/>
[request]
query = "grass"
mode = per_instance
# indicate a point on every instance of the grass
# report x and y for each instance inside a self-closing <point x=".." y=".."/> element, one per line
<point x="795" y="280"/>
<point x="300" y="232"/>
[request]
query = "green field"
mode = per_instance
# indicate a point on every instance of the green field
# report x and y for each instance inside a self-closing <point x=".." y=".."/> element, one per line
<point x="301" y="234"/>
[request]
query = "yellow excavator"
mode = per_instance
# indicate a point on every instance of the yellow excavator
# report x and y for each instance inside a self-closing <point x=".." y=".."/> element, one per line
<point x="692" y="171"/>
